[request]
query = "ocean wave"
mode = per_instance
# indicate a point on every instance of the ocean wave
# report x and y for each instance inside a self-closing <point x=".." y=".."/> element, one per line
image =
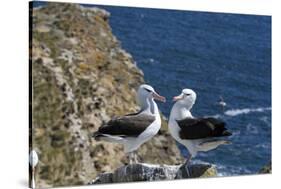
<point x="224" y="170"/>
<point x="266" y="120"/>
<point x="263" y="145"/>
<point x="217" y="116"/>
<point x="236" y="112"/>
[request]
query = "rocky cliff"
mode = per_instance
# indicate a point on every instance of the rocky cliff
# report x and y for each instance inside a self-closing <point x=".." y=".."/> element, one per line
<point x="81" y="77"/>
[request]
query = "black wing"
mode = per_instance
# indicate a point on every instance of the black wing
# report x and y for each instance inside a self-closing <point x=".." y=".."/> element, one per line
<point x="130" y="125"/>
<point x="202" y="128"/>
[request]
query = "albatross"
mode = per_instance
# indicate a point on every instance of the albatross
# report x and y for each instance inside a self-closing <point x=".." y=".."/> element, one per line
<point x="222" y="103"/>
<point x="132" y="130"/>
<point x="196" y="134"/>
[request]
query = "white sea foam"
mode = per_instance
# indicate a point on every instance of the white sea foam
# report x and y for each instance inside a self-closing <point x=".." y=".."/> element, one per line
<point x="264" y="145"/>
<point x="215" y="116"/>
<point x="236" y="112"/>
<point x="224" y="170"/>
<point x="266" y="120"/>
<point x="149" y="61"/>
<point x="231" y="170"/>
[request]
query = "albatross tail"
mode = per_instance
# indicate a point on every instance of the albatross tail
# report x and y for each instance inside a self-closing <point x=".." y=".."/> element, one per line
<point x="226" y="133"/>
<point x="106" y="137"/>
<point x="97" y="136"/>
<point x="212" y="144"/>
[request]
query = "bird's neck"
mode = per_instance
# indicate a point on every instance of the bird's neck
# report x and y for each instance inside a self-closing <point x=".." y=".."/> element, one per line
<point x="180" y="112"/>
<point x="150" y="107"/>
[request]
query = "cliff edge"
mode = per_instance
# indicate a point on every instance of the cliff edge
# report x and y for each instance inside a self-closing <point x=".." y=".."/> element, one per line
<point x="81" y="77"/>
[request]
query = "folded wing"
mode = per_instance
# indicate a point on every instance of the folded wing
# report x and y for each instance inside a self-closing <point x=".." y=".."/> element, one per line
<point x="198" y="128"/>
<point x="130" y="125"/>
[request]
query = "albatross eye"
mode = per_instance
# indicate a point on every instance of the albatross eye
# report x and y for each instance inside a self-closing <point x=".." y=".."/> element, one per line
<point x="186" y="94"/>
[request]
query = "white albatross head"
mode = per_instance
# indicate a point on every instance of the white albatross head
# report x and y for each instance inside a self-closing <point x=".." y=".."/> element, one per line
<point x="186" y="99"/>
<point x="146" y="92"/>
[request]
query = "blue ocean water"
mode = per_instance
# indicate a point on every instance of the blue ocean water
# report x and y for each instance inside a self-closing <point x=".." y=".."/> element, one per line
<point x="216" y="55"/>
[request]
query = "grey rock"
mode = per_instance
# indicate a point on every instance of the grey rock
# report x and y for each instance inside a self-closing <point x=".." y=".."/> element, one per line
<point x="153" y="172"/>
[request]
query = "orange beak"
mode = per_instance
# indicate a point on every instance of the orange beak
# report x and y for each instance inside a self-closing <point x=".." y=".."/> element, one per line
<point x="176" y="98"/>
<point x="158" y="97"/>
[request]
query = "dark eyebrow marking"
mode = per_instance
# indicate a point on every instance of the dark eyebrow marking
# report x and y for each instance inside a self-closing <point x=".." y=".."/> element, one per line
<point x="147" y="90"/>
<point x="186" y="94"/>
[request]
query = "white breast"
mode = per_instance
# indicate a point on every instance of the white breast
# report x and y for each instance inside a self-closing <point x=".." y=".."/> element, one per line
<point x="178" y="114"/>
<point x="174" y="129"/>
<point x="132" y="144"/>
<point x="150" y="131"/>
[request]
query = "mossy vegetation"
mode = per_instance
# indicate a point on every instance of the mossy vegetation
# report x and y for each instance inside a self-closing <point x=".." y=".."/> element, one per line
<point x="50" y="40"/>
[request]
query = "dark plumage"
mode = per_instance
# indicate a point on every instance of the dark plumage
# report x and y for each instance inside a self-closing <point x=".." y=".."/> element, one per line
<point x="199" y="128"/>
<point x="130" y="125"/>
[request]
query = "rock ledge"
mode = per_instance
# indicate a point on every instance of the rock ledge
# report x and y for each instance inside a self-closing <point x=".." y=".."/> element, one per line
<point x="154" y="172"/>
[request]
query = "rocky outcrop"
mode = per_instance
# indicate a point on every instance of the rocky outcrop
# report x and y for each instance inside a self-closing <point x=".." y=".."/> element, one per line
<point x="266" y="169"/>
<point x="152" y="172"/>
<point x="81" y="77"/>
